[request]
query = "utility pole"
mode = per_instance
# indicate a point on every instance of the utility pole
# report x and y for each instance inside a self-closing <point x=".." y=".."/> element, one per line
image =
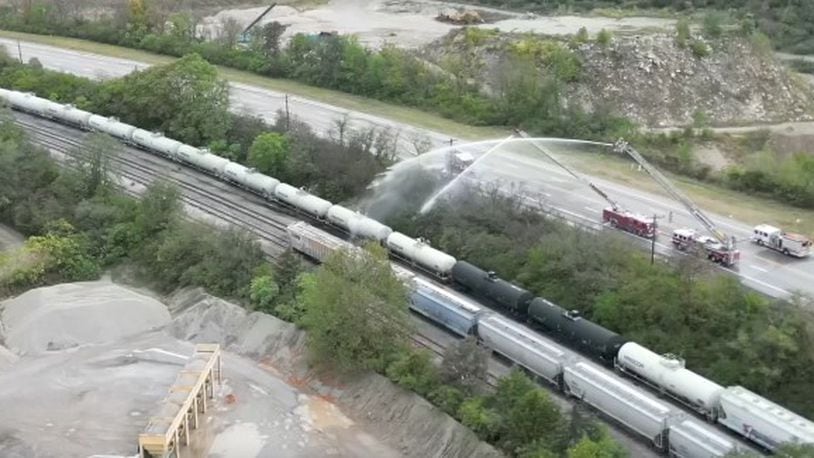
<point x="653" y="243"/>
<point x="287" y="115"/>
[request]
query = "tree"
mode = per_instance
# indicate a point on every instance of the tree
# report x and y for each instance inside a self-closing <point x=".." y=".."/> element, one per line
<point x="465" y="364"/>
<point x="263" y="293"/>
<point x="158" y="208"/>
<point x="355" y="309"/>
<point x="93" y="164"/>
<point x="270" y="36"/>
<point x="602" y="447"/>
<point x="269" y="154"/>
<point x="414" y="370"/>
<point x="186" y="100"/>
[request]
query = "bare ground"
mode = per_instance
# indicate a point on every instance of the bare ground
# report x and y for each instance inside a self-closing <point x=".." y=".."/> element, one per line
<point x="94" y="397"/>
<point x="412" y="23"/>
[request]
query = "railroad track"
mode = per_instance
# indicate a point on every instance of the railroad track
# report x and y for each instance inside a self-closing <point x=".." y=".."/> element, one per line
<point x="132" y="167"/>
<point x="144" y="168"/>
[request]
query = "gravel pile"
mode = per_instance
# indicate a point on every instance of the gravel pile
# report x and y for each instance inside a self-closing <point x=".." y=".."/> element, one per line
<point x="69" y="315"/>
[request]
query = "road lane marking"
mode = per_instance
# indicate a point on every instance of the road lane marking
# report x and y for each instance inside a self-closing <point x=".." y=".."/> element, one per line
<point x="758" y="268"/>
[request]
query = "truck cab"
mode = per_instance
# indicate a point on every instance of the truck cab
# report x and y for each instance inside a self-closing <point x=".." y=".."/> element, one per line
<point x="776" y="239"/>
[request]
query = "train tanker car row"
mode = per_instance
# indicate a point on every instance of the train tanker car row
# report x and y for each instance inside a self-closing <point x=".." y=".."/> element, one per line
<point x="751" y="416"/>
<point x="659" y="423"/>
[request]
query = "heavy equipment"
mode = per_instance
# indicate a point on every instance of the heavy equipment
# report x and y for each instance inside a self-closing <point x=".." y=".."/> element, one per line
<point x="614" y="215"/>
<point x="245" y="37"/>
<point x="719" y="248"/>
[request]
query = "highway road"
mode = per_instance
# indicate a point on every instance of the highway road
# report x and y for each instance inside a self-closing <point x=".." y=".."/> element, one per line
<point x="761" y="269"/>
<point x="244" y="98"/>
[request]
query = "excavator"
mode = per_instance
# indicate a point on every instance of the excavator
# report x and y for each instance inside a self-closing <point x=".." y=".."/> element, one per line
<point x="614" y="215"/>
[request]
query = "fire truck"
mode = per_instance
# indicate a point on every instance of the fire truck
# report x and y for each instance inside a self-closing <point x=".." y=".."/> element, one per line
<point x="691" y="241"/>
<point x="614" y="215"/>
<point x="776" y="239"/>
<point x="719" y="248"/>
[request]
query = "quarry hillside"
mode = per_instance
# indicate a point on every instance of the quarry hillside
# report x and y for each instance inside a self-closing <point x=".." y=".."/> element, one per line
<point x="649" y="78"/>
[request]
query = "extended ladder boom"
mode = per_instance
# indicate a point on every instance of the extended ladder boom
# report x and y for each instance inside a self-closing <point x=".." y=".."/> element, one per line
<point x="581" y="178"/>
<point x="624" y="147"/>
<point x="257" y="19"/>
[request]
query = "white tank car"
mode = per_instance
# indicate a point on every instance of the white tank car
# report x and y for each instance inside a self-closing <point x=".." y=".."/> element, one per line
<point x="521" y="345"/>
<point x="313" y="242"/>
<point x="420" y="253"/>
<point x="761" y="420"/>
<point x="259" y="183"/>
<point x="372" y="229"/>
<point x="29" y="102"/>
<point x="155" y="141"/>
<point x="112" y="127"/>
<point x="303" y="200"/>
<point x="235" y="172"/>
<point x="692" y="439"/>
<point x="188" y="154"/>
<point x="212" y="163"/>
<point x="73" y="115"/>
<point x="668" y="373"/>
<point x="342" y="217"/>
<point x="619" y="400"/>
<point x="357" y="224"/>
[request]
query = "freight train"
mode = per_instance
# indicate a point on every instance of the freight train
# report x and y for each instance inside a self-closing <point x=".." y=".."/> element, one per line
<point x="749" y="415"/>
<point x="668" y="429"/>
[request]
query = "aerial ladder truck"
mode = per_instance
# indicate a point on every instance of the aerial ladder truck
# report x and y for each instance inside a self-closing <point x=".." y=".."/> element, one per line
<point x="719" y="248"/>
<point x="245" y="37"/>
<point x="614" y="215"/>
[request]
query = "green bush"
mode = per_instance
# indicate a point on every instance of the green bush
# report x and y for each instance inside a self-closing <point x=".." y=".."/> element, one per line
<point x="712" y="24"/>
<point x="683" y="32"/>
<point x="604" y="38"/>
<point x="699" y="49"/>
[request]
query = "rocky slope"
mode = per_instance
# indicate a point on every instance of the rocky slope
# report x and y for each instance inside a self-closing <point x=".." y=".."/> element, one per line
<point x="655" y="82"/>
<point x="404" y="420"/>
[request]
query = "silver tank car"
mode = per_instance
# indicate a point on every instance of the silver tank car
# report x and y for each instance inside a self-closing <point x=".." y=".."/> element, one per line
<point x="357" y="224"/>
<point x="75" y="116"/>
<point x="315" y="243"/>
<point x="29" y="102"/>
<point x="692" y="439"/>
<point x="112" y="127"/>
<point x="668" y="373"/>
<point x="454" y="312"/>
<point x="211" y="163"/>
<point x="235" y="172"/>
<point x="303" y="200"/>
<point x="188" y="154"/>
<point x="259" y="183"/>
<point x="341" y="217"/>
<point x="157" y="142"/>
<point x="762" y="421"/>
<point x="421" y="254"/>
<point x="523" y="346"/>
<point x="619" y="400"/>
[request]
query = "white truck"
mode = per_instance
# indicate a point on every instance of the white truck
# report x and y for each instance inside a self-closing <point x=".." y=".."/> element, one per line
<point x="775" y="238"/>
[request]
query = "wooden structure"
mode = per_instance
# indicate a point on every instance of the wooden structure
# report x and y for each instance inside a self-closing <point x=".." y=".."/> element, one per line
<point x="179" y="410"/>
